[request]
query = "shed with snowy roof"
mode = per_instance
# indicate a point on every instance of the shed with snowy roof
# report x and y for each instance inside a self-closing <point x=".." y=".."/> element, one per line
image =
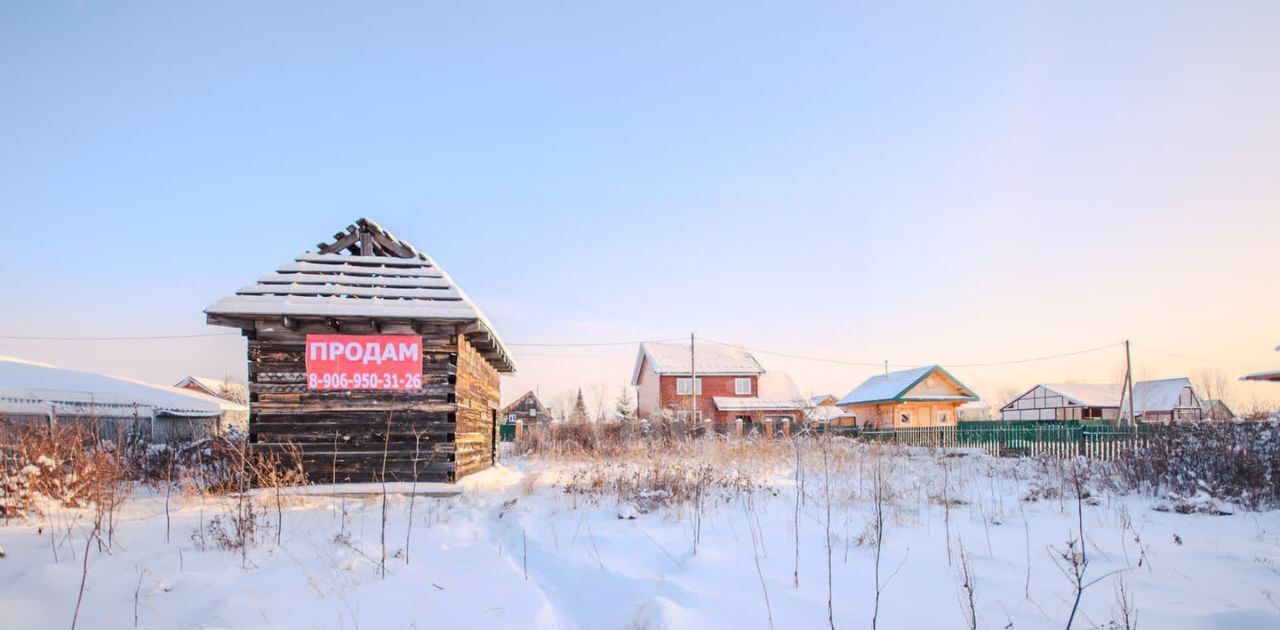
<point x="1164" y="401"/>
<point x="919" y="397"/>
<point x="366" y="357"/>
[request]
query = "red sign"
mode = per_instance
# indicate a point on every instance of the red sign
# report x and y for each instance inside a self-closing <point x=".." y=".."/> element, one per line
<point x="364" y="362"/>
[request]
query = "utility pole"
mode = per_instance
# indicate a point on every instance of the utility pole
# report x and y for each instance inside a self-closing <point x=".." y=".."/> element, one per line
<point x="1128" y="378"/>
<point x="693" y="381"/>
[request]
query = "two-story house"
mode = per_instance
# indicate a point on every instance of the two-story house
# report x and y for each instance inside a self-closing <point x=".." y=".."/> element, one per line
<point x="527" y="409"/>
<point x="710" y="382"/>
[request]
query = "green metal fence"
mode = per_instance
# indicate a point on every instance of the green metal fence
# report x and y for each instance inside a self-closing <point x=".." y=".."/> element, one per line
<point x="1013" y="439"/>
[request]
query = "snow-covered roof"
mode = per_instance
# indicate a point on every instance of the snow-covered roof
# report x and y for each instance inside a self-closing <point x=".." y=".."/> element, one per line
<point x="818" y="400"/>
<point x="1161" y="395"/>
<point x="1269" y="375"/>
<point x="778" y="386"/>
<point x="895" y="386"/>
<point x="825" y="413"/>
<point x="215" y="386"/>
<point x="1214" y="404"/>
<point x="1089" y="394"/>
<point x="752" y="403"/>
<point x="712" y="358"/>
<point x="398" y="283"/>
<point x="527" y="395"/>
<point x="27" y="385"/>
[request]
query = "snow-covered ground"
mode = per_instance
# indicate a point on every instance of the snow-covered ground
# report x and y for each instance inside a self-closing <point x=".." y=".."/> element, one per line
<point x="514" y="549"/>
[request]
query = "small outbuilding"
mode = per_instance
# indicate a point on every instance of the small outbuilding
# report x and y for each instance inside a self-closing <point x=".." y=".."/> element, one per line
<point x="1216" y="410"/>
<point x="920" y="397"/>
<point x="1165" y="401"/>
<point x="367" y="358"/>
<point x="225" y="389"/>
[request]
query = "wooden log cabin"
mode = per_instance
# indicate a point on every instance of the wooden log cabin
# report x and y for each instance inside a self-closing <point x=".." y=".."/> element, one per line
<point x="367" y="286"/>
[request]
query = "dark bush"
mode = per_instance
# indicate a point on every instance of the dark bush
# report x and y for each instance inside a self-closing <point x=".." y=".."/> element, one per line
<point x="1237" y="462"/>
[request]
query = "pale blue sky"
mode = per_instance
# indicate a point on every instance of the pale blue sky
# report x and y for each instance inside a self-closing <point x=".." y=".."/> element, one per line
<point x="923" y="182"/>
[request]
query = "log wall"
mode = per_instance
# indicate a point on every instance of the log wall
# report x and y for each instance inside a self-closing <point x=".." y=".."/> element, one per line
<point x="477" y="399"/>
<point x="439" y="433"/>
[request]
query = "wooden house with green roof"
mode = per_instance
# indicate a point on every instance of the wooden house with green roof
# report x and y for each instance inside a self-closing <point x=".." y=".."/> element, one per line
<point x="926" y="396"/>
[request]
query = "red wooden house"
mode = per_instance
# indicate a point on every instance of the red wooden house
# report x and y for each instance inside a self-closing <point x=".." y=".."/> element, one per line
<point x="714" y="382"/>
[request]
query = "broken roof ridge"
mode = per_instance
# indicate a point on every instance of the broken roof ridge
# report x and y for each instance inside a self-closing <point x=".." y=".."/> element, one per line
<point x="342" y="279"/>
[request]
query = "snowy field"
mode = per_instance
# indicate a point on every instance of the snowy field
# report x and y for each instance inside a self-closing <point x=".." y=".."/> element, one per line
<point x="612" y="544"/>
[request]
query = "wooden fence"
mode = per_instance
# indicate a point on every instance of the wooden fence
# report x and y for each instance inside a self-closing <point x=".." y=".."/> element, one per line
<point x="1014" y="439"/>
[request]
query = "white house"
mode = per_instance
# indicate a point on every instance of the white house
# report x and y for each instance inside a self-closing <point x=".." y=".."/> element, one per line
<point x="1065" y="401"/>
<point x="32" y="392"/>
<point x="1165" y="400"/>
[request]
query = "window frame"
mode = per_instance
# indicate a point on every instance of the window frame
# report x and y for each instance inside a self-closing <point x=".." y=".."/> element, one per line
<point x="738" y="383"/>
<point x="684" y="388"/>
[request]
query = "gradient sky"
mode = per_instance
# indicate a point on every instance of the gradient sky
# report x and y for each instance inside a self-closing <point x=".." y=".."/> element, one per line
<point x="952" y="183"/>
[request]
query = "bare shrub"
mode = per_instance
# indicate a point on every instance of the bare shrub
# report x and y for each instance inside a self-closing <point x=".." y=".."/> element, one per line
<point x="233" y="530"/>
<point x="1236" y="462"/>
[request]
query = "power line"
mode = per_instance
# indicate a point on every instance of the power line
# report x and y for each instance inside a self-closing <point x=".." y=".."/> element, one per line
<point x="859" y="364"/>
<point x="1044" y="358"/>
<point x="593" y="344"/>
<point x="875" y="364"/>
<point x="1175" y="354"/>
<point x="228" y="334"/>
<point x="140" y="338"/>
<point x="958" y="365"/>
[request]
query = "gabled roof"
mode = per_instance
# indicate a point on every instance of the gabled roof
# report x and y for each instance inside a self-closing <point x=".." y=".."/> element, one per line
<point x="712" y="359"/>
<point x="1268" y="376"/>
<point x="1161" y="395"/>
<point x="542" y="409"/>
<point x="378" y="277"/>
<point x="1082" y="394"/>
<point x="219" y="388"/>
<point x="895" y="387"/>
<point x="817" y="401"/>
<point x="25" y="384"/>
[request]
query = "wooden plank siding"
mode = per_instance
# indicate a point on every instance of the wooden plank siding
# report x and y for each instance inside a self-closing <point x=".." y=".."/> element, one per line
<point x="443" y="430"/>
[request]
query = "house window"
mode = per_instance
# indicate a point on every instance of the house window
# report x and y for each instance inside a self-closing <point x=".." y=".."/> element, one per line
<point x="689" y="416"/>
<point x="511" y="417"/>
<point x="533" y="413"/>
<point x="684" y="386"/>
<point x="742" y="386"/>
